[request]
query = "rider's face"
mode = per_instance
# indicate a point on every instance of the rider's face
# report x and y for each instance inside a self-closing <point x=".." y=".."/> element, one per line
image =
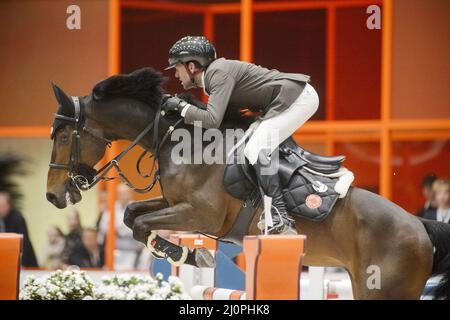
<point x="182" y="75"/>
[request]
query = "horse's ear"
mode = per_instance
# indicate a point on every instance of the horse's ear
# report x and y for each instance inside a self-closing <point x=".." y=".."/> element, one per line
<point x="65" y="102"/>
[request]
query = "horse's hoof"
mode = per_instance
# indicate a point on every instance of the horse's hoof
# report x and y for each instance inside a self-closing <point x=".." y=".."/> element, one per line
<point x="204" y="258"/>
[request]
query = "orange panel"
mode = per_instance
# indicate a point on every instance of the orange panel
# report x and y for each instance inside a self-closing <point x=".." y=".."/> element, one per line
<point x="330" y="63"/>
<point x="273" y="6"/>
<point x="149" y="5"/>
<point x="267" y="255"/>
<point x="386" y="103"/>
<point x="25" y="131"/>
<point x="111" y="189"/>
<point x="10" y="253"/>
<point x="240" y="261"/>
<point x="246" y="47"/>
<point x="192" y="241"/>
<point x="114" y="57"/>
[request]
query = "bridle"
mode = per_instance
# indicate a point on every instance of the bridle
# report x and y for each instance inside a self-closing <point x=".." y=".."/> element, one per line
<point x="83" y="176"/>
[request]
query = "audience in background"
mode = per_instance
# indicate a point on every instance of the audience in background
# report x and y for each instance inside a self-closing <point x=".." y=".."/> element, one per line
<point x="11" y="220"/>
<point x="85" y="247"/>
<point x="102" y="207"/>
<point x="427" y="190"/>
<point x="51" y="258"/>
<point x="73" y="238"/>
<point x="128" y="250"/>
<point x="89" y="254"/>
<point x="441" y="189"/>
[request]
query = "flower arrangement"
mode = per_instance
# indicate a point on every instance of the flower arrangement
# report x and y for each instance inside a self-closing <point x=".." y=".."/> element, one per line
<point x="76" y="285"/>
<point x="59" y="285"/>
<point x="133" y="287"/>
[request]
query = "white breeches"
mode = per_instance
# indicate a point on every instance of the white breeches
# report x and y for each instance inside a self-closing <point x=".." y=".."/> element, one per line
<point x="273" y="131"/>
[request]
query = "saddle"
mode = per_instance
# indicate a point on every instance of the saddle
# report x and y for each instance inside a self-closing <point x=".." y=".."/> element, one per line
<point x="311" y="183"/>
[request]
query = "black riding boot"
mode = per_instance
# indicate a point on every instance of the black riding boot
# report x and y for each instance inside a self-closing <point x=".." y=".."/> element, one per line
<point x="269" y="181"/>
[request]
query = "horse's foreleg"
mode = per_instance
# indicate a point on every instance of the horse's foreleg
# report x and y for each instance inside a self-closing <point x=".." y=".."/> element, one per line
<point x="137" y="208"/>
<point x="180" y="217"/>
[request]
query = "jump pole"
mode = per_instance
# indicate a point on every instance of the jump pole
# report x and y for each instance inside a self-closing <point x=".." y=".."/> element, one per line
<point x="273" y="269"/>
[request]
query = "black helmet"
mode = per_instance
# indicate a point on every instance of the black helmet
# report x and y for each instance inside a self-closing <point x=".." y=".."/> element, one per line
<point x="192" y="48"/>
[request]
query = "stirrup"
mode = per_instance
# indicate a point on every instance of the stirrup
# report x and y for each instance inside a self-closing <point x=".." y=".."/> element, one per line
<point x="285" y="225"/>
<point x="284" y="229"/>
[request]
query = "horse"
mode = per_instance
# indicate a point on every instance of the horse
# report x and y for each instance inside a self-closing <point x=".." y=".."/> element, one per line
<point x="368" y="235"/>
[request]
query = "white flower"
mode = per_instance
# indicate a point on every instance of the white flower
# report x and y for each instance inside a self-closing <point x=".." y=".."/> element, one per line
<point x="75" y="284"/>
<point x="42" y="292"/>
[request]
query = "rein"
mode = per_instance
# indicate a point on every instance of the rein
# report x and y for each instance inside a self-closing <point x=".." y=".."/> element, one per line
<point x="81" y="181"/>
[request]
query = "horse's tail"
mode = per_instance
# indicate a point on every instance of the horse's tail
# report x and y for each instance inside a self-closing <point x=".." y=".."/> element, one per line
<point x="439" y="234"/>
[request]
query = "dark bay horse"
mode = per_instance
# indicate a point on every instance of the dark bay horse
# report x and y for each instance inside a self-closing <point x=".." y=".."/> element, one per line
<point x="388" y="253"/>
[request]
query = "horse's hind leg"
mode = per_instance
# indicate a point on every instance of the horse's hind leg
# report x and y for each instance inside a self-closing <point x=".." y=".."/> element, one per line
<point x="397" y="274"/>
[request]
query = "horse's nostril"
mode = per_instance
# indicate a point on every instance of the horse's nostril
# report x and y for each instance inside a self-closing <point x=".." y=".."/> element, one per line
<point x="51" y="197"/>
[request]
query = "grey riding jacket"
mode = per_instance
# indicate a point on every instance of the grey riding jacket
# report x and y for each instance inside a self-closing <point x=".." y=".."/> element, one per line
<point x="239" y="84"/>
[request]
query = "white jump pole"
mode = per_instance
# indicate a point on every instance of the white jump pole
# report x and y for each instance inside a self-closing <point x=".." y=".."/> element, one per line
<point x="316" y="288"/>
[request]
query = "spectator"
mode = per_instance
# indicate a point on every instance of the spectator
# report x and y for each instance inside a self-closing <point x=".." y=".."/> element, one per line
<point x="102" y="208"/>
<point x="73" y="238"/>
<point x="128" y="249"/>
<point x="427" y="190"/>
<point x="11" y="220"/>
<point x="89" y="254"/>
<point x="52" y="256"/>
<point x="441" y="188"/>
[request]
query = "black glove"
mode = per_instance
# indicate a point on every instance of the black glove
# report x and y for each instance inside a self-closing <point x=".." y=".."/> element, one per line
<point x="172" y="104"/>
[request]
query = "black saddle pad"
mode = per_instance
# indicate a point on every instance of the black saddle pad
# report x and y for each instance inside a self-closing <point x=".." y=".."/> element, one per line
<point x="306" y="195"/>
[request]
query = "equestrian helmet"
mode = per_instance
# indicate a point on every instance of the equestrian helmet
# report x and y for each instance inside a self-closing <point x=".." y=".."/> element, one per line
<point x="192" y="48"/>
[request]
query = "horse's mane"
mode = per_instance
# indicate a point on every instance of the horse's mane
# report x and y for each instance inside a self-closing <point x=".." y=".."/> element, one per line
<point x="142" y="84"/>
<point x="145" y="85"/>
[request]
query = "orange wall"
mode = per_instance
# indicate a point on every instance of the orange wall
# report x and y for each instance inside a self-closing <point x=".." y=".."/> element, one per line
<point x="421" y="51"/>
<point x="363" y="159"/>
<point x="147" y="37"/>
<point x="37" y="48"/>
<point x="420" y="89"/>
<point x="293" y="42"/>
<point x="358" y="65"/>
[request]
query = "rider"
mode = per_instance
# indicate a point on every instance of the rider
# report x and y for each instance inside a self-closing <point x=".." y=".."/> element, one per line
<point x="286" y="100"/>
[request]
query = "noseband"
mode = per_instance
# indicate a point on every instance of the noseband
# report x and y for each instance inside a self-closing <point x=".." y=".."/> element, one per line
<point x="85" y="177"/>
